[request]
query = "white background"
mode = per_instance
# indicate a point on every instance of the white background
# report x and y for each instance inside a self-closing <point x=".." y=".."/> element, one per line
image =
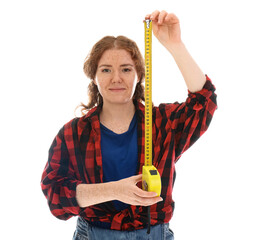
<point x="222" y="185"/>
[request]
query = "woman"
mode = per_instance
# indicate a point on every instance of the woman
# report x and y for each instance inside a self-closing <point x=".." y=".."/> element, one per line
<point x="95" y="161"/>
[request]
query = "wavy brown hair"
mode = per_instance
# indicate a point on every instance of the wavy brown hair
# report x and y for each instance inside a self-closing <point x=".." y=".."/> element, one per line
<point x="91" y="64"/>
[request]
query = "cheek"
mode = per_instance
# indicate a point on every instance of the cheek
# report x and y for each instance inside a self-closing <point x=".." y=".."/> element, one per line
<point x="100" y="89"/>
<point x="135" y="81"/>
<point x="99" y="85"/>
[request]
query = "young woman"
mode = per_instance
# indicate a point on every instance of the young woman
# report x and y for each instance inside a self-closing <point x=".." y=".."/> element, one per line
<point x="95" y="162"/>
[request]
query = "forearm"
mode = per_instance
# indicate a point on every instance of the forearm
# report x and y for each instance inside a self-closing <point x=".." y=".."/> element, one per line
<point x="91" y="194"/>
<point x="125" y="190"/>
<point x="192" y="74"/>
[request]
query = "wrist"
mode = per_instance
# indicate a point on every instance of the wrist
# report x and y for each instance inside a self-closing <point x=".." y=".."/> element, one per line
<point x="112" y="190"/>
<point x="176" y="48"/>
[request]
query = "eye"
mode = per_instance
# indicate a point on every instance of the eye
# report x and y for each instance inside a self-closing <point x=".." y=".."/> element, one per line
<point x="105" y="70"/>
<point x="127" y="70"/>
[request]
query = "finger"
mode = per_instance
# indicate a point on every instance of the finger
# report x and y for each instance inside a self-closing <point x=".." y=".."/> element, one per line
<point x="171" y="18"/>
<point x="154" y="15"/>
<point x="137" y="178"/>
<point x="148" y="16"/>
<point x="162" y="16"/>
<point x="141" y="193"/>
<point x="147" y="201"/>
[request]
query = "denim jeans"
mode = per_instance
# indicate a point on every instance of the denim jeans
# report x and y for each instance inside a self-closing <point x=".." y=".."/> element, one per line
<point x="84" y="231"/>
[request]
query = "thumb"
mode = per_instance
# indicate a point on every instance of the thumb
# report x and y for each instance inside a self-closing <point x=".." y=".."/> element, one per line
<point x="137" y="178"/>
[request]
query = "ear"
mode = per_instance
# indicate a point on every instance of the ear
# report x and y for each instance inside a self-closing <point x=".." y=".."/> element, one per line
<point x="94" y="81"/>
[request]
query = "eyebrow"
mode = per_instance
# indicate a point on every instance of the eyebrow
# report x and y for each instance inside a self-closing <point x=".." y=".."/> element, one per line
<point x="122" y="65"/>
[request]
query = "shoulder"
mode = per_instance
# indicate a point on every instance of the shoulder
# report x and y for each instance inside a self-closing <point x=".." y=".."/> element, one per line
<point x="77" y="124"/>
<point x="161" y="110"/>
<point x="161" y="107"/>
<point x="167" y="108"/>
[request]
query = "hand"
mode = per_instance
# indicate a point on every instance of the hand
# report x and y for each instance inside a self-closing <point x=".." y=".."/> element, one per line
<point x="127" y="191"/>
<point x="166" y="28"/>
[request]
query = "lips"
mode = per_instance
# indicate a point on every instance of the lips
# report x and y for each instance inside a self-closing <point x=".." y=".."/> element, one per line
<point x="116" y="89"/>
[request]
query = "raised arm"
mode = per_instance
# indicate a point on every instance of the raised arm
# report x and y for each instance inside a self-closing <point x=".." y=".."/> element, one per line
<point x="166" y="28"/>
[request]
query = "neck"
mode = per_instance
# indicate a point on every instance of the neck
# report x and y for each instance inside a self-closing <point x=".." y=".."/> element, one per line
<point x="117" y="112"/>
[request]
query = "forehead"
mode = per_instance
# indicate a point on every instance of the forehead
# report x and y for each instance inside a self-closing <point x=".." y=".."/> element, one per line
<point x="116" y="56"/>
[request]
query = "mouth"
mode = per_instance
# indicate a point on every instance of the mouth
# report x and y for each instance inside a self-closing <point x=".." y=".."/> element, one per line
<point x="116" y="89"/>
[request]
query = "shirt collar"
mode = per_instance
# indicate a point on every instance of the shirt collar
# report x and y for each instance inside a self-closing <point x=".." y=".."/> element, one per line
<point x="93" y="112"/>
<point x="139" y="109"/>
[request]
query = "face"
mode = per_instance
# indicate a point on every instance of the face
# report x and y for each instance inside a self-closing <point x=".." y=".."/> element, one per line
<point x="116" y="77"/>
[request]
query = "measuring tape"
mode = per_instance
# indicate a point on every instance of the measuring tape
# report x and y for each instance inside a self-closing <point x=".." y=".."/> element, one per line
<point x="151" y="181"/>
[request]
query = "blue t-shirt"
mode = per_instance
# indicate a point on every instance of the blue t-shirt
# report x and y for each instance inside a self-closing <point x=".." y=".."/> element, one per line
<point x="119" y="157"/>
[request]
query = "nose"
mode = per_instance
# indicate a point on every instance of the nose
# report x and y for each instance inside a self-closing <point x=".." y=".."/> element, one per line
<point x="116" y="78"/>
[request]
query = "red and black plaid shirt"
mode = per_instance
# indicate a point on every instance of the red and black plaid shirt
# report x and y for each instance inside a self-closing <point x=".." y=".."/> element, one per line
<point x="75" y="158"/>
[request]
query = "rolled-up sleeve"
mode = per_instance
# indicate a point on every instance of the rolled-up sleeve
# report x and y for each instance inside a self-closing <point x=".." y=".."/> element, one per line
<point x="58" y="181"/>
<point x="192" y="118"/>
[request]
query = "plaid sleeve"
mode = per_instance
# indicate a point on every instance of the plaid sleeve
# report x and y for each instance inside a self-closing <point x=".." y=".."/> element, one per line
<point x="58" y="182"/>
<point x="192" y="118"/>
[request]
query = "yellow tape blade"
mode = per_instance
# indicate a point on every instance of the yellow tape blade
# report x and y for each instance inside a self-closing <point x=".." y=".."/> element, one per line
<point x="148" y="92"/>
